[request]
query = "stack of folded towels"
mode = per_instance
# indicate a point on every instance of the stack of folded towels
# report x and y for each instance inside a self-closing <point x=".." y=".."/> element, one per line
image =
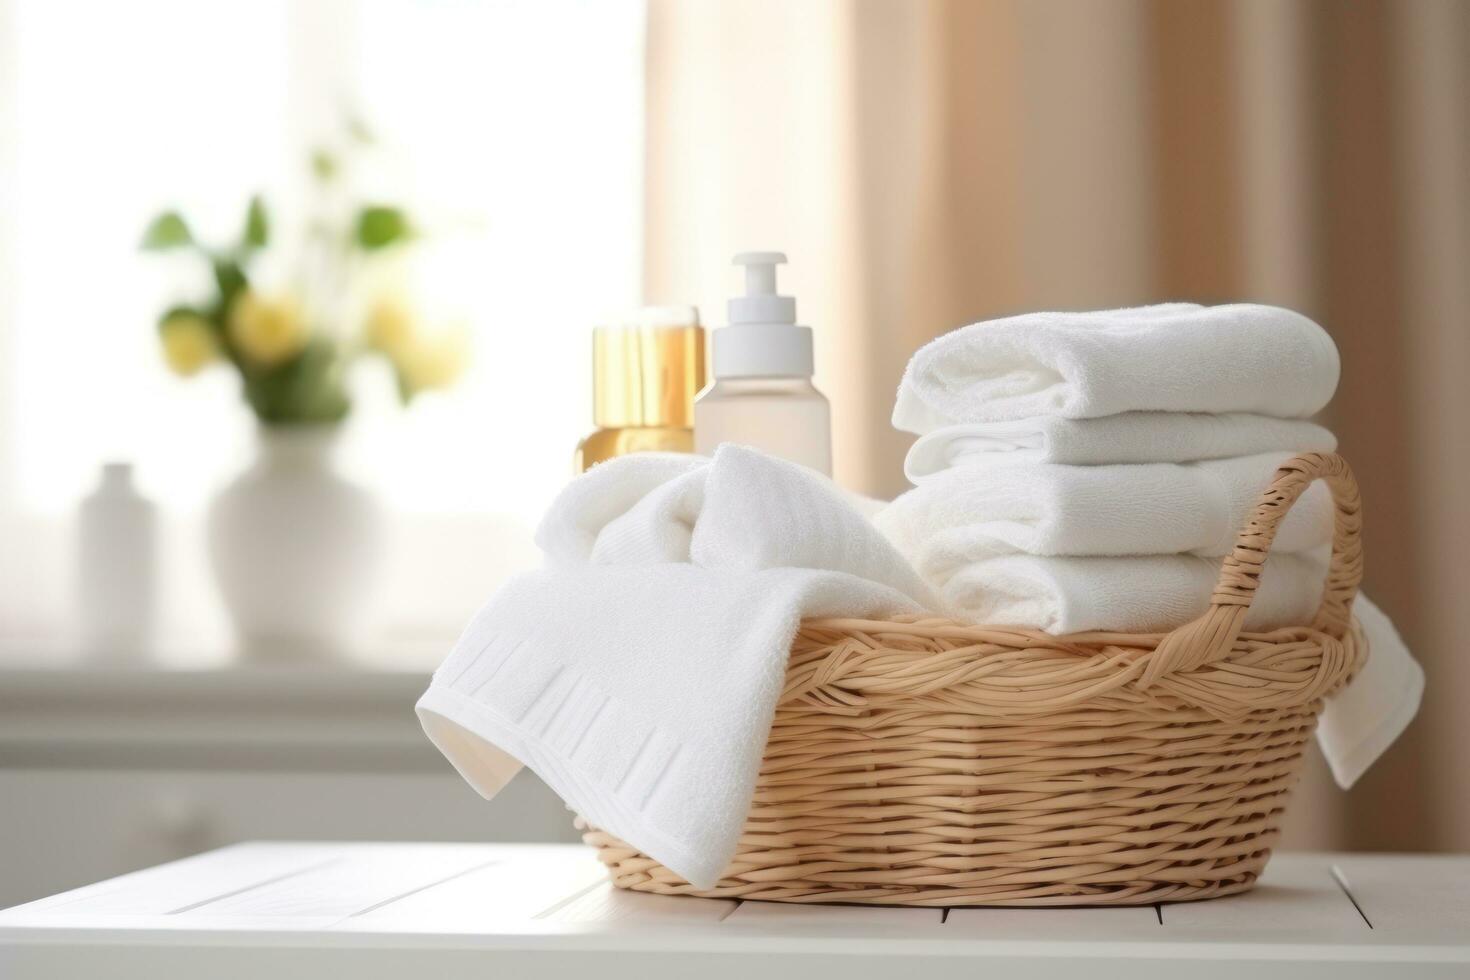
<point x="1087" y="471"/>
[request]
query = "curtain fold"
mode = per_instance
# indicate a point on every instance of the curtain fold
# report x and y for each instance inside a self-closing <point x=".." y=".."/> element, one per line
<point x="929" y="165"/>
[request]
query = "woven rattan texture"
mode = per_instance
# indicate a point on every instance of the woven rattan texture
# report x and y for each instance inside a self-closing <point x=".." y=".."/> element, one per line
<point x="927" y="762"/>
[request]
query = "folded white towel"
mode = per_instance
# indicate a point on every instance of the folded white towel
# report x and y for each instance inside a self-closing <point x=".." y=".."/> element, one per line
<point x="1129" y="437"/>
<point x="970" y="513"/>
<point x="639" y="674"/>
<point x="1362" y="720"/>
<point x="1176" y="357"/>
<point x="1136" y="594"/>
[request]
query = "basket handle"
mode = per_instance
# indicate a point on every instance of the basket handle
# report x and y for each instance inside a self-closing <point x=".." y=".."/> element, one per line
<point x="1213" y="634"/>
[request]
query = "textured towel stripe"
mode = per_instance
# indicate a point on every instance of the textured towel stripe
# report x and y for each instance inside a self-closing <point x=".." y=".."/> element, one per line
<point x="494" y="662"/>
<point x="587" y="726"/>
<point x="554" y="690"/>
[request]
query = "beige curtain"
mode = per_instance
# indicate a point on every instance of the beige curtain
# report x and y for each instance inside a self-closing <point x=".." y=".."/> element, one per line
<point x="926" y="165"/>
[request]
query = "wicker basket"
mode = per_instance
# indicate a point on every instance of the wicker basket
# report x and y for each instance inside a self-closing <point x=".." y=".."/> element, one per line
<point x="924" y="762"/>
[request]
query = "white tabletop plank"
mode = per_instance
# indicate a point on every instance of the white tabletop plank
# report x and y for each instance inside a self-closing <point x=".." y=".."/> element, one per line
<point x="605" y="904"/>
<point x="510" y="891"/>
<point x="1297" y="899"/>
<point x="1410" y="898"/>
<point x="833" y="920"/>
<point x="344" y="884"/>
<point x="168" y="888"/>
<point x="1052" y="924"/>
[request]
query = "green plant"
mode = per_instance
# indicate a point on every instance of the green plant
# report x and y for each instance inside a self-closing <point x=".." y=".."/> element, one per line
<point x="291" y="347"/>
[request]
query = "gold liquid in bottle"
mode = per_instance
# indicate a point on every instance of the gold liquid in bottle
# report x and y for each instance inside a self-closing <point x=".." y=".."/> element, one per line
<point x="645" y="374"/>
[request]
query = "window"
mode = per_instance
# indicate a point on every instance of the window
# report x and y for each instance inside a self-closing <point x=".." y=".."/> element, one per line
<point x="513" y="129"/>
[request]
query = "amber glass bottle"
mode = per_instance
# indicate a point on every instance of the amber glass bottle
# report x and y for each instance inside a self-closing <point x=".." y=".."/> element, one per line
<point x="645" y="374"/>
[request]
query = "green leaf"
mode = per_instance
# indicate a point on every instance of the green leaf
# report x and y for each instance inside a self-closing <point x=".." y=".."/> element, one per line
<point x="307" y="389"/>
<point x="230" y="280"/>
<point x="183" y="310"/>
<point x="323" y="164"/>
<point x="173" y="312"/>
<point x="380" y="225"/>
<point x="257" y="224"/>
<point x="168" y="230"/>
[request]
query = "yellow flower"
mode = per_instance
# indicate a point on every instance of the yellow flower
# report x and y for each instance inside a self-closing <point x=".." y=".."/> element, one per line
<point x="267" y="331"/>
<point x="433" y="362"/>
<point x="390" y="326"/>
<point x="188" y="343"/>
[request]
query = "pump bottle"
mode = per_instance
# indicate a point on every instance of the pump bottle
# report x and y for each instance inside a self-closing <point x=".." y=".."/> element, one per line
<point x="762" y="393"/>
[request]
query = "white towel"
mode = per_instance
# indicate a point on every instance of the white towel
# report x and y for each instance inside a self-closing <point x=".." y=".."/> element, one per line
<point x="580" y="514"/>
<point x="639" y="674"/>
<point x="970" y="513"/>
<point x="1129" y="437"/>
<point x="1176" y="357"/>
<point x="1362" y="720"/>
<point x="1136" y="594"/>
<point x="743" y="511"/>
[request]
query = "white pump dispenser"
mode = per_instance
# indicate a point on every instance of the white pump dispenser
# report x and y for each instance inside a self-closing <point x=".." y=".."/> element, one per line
<point x="762" y="394"/>
<point x="762" y="339"/>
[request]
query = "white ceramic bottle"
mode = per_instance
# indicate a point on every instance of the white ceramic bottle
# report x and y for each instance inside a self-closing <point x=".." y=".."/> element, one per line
<point x="762" y="393"/>
<point x="115" y="567"/>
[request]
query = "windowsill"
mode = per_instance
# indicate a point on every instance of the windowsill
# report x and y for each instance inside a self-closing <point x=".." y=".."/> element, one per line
<point x="212" y="711"/>
<point x="55" y="652"/>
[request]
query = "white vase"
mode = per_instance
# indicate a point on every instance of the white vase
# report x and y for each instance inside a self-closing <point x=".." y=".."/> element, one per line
<point x="296" y="549"/>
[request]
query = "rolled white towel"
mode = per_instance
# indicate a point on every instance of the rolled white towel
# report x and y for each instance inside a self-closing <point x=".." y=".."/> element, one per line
<point x="1175" y="357"/>
<point x="1129" y="437"/>
<point x="1137" y="594"/>
<point x="580" y="514"/>
<point x="970" y="513"/>
<point x="741" y="511"/>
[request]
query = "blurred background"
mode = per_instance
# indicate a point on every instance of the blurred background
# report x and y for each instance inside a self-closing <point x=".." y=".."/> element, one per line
<point x="430" y="203"/>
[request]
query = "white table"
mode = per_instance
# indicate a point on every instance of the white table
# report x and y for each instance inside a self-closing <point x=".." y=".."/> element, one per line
<point x="367" y="911"/>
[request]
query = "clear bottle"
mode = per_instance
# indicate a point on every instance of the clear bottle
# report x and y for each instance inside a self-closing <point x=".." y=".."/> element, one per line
<point x="762" y="394"/>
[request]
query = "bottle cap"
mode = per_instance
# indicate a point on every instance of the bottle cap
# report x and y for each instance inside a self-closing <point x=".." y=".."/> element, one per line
<point x="117" y="473"/>
<point x="762" y="339"/>
<point x="647" y="369"/>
